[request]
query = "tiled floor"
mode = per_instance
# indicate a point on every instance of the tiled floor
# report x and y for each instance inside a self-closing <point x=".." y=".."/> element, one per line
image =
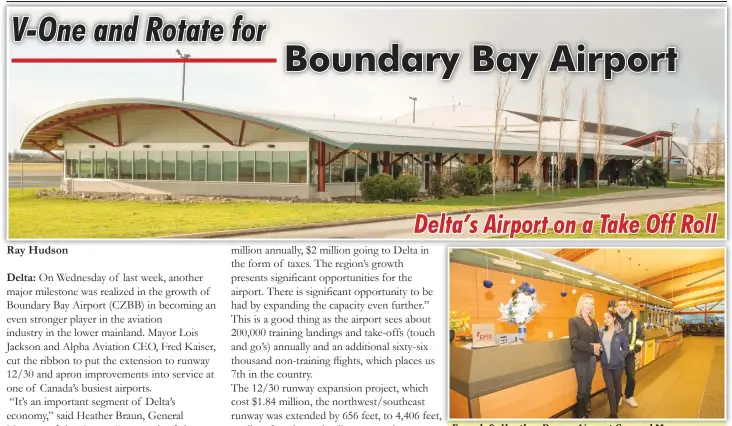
<point x="685" y="383"/>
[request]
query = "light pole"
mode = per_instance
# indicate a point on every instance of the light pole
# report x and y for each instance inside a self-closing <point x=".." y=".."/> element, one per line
<point x="183" y="56"/>
<point x="414" y="108"/>
<point x="670" y="148"/>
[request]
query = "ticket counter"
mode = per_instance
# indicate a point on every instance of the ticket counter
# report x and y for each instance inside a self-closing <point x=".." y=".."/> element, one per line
<point x="528" y="380"/>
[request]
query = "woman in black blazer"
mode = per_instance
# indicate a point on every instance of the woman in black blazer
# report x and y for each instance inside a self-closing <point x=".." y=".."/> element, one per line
<point x="584" y="337"/>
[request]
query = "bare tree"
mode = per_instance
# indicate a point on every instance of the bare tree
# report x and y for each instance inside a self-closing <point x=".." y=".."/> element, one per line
<point x="695" y="144"/>
<point x="717" y="149"/>
<point x="601" y="158"/>
<point x="561" y="152"/>
<point x="540" y="116"/>
<point x="503" y="88"/>
<point x="707" y="156"/>
<point x="580" y="134"/>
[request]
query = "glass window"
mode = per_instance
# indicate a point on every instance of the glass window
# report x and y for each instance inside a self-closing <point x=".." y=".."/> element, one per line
<point x="85" y="164"/>
<point x="183" y="165"/>
<point x="246" y="166"/>
<point x="140" y="165"/>
<point x="154" y="165"/>
<point x="169" y="165"/>
<point x="213" y="170"/>
<point x="199" y="165"/>
<point x="362" y="165"/>
<point x="349" y="164"/>
<point x="417" y="162"/>
<point x="230" y="166"/>
<point x="279" y="166"/>
<point x="263" y="166"/>
<point x="336" y="168"/>
<point x="112" y="164"/>
<point x="99" y="163"/>
<point x="72" y="164"/>
<point x="125" y="164"/>
<point x="298" y="167"/>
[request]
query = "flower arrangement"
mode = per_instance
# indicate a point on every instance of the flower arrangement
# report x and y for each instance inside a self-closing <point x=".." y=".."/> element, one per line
<point x="522" y="306"/>
<point x="459" y="322"/>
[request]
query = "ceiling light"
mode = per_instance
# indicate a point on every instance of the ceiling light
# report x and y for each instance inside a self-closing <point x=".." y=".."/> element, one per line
<point x="553" y="274"/>
<point x="571" y="267"/>
<point x="535" y="256"/>
<point x="507" y="264"/>
<point x="585" y="282"/>
<point x="607" y="279"/>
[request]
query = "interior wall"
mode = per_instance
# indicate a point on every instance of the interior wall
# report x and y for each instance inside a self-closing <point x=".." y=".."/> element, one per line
<point x="468" y="293"/>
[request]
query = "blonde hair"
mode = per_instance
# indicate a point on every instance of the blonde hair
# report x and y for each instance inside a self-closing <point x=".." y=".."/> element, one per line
<point x="581" y="303"/>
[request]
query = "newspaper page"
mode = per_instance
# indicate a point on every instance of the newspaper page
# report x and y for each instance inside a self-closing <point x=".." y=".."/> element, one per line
<point x="364" y="213"/>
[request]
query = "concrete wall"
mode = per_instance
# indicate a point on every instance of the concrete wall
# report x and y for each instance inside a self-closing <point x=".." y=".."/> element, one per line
<point x="678" y="172"/>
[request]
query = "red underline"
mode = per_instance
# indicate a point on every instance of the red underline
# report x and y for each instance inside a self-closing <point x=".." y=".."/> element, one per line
<point x="142" y="60"/>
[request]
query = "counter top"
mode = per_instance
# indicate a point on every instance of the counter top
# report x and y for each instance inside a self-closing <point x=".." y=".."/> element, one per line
<point x="656" y="333"/>
<point x="477" y="372"/>
<point x="480" y="371"/>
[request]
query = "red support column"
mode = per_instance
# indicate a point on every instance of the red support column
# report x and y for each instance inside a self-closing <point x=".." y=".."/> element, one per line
<point x="438" y="163"/>
<point x="387" y="162"/>
<point x="516" y="159"/>
<point x="321" y="166"/>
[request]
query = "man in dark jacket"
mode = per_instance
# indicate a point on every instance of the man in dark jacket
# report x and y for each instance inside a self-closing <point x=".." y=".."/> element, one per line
<point x="634" y="330"/>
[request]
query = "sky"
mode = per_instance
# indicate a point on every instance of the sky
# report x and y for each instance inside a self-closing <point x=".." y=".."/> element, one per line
<point x="644" y="101"/>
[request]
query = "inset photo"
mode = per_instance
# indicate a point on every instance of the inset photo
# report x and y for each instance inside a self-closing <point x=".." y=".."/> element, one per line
<point x="587" y="333"/>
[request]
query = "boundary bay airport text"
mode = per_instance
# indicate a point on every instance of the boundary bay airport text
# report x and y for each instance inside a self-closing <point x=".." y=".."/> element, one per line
<point x="484" y="59"/>
<point x="297" y="59"/>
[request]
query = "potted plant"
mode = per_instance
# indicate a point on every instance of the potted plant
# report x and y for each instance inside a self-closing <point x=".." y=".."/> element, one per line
<point x="459" y="322"/>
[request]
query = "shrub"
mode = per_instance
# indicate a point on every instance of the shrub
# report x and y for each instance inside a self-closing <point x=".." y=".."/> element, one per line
<point x="652" y="171"/>
<point x="377" y="188"/>
<point x="589" y="184"/>
<point x="406" y="187"/>
<point x="439" y="186"/>
<point x="526" y="180"/>
<point x="486" y="177"/>
<point x="467" y="180"/>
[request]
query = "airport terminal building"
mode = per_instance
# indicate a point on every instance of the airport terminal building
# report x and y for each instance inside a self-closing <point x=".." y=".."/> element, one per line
<point x="160" y="146"/>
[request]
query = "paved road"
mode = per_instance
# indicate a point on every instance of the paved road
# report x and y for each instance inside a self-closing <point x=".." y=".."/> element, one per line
<point x="34" y="180"/>
<point x="648" y="201"/>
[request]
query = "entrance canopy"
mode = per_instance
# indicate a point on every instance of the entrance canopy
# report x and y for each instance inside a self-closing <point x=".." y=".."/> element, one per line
<point x="46" y="132"/>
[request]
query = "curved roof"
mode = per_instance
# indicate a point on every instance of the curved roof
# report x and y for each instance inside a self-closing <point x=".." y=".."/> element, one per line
<point x="465" y="116"/>
<point x="345" y="134"/>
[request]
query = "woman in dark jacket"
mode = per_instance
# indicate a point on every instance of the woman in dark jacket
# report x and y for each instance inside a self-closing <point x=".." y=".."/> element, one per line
<point x="614" y="350"/>
<point x="584" y="338"/>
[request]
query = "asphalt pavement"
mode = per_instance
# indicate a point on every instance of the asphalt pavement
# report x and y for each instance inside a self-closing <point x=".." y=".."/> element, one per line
<point x="645" y="202"/>
<point x="34" y="181"/>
